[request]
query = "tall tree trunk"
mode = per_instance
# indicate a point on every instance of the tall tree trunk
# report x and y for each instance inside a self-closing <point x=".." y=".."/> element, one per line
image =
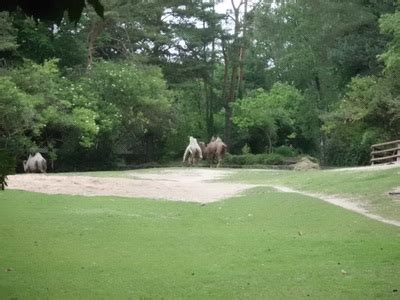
<point x="208" y="79"/>
<point x="241" y="73"/>
<point x="210" y="120"/>
<point x="226" y="69"/>
<point x="209" y="116"/>
<point x="320" y="107"/>
<point x="95" y="30"/>
<point x="242" y="52"/>
<point x="230" y="95"/>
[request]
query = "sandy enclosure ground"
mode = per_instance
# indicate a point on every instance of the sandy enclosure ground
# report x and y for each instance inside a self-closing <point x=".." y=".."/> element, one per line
<point x="190" y="185"/>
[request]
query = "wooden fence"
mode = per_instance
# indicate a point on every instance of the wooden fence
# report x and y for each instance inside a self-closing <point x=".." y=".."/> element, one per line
<point x="385" y="153"/>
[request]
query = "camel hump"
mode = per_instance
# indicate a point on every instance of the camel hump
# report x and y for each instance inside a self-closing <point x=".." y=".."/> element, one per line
<point x="37" y="156"/>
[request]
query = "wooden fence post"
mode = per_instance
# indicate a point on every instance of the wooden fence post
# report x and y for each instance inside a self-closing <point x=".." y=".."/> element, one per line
<point x="388" y="152"/>
<point x="398" y="153"/>
<point x="372" y="155"/>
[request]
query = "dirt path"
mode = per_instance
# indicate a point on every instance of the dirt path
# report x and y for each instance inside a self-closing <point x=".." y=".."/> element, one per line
<point x="339" y="201"/>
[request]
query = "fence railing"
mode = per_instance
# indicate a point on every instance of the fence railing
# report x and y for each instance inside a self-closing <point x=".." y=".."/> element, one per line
<point x="388" y="152"/>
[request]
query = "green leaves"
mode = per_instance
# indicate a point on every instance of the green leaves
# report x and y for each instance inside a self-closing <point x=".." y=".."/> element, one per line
<point x="7" y="167"/>
<point x="16" y="111"/>
<point x="138" y="93"/>
<point x="269" y="111"/>
<point x="85" y="120"/>
<point x="390" y="24"/>
<point x="261" y="108"/>
<point x="8" y="40"/>
<point x="52" y="10"/>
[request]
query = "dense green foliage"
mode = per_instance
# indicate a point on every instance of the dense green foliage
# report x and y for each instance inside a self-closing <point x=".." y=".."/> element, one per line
<point x="115" y="108"/>
<point x="263" y="244"/>
<point x="7" y="166"/>
<point x="52" y="10"/>
<point x="274" y="113"/>
<point x="253" y="159"/>
<point x="319" y="76"/>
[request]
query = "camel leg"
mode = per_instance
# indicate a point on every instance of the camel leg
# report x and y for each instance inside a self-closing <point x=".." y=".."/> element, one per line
<point x="191" y="161"/>
<point x="219" y="159"/>
<point x="212" y="161"/>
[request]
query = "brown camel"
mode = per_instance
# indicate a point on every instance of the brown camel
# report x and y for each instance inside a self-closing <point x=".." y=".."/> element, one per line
<point x="214" y="151"/>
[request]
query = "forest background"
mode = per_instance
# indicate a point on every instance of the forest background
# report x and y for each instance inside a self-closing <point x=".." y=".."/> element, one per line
<point x="317" y="77"/>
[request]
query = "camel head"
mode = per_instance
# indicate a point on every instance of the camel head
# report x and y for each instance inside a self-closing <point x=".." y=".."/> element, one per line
<point x="25" y="163"/>
<point x="203" y="148"/>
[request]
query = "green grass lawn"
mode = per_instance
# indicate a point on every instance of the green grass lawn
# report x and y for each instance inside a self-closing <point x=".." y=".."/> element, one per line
<point x="264" y="244"/>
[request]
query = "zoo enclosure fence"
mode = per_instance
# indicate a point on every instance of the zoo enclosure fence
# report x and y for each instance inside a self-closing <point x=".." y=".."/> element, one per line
<point x="388" y="152"/>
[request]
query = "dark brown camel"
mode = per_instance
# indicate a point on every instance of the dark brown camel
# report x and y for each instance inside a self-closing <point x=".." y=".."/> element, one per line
<point x="214" y="151"/>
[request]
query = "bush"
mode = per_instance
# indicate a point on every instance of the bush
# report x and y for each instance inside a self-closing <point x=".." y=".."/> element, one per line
<point x="273" y="159"/>
<point x="235" y="159"/>
<point x="246" y="149"/>
<point x="7" y="166"/>
<point x="286" y="151"/>
<point x="352" y="146"/>
<point x="254" y="159"/>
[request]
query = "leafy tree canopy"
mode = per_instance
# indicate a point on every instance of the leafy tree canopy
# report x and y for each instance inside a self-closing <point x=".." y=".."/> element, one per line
<point x="51" y="10"/>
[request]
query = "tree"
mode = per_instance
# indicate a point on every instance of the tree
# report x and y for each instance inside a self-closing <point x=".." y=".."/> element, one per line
<point x="134" y="107"/>
<point x="51" y="10"/>
<point x="16" y="116"/>
<point x="234" y="49"/>
<point x="391" y="57"/>
<point x="7" y="35"/>
<point x="310" y="43"/>
<point x="273" y="112"/>
<point x="7" y="166"/>
<point x="196" y="39"/>
<point x="369" y="112"/>
<point x="61" y="117"/>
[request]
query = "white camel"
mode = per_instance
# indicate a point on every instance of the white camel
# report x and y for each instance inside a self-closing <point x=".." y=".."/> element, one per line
<point x="35" y="164"/>
<point x="193" y="152"/>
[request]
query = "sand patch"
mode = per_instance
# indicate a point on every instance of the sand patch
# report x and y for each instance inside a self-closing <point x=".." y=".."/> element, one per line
<point x="190" y="185"/>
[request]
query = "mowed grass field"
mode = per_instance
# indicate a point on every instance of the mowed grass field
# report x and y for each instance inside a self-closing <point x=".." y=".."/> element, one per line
<point x="263" y="244"/>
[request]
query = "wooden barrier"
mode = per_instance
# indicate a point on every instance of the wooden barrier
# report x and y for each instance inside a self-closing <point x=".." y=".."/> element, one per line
<point x="388" y="152"/>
